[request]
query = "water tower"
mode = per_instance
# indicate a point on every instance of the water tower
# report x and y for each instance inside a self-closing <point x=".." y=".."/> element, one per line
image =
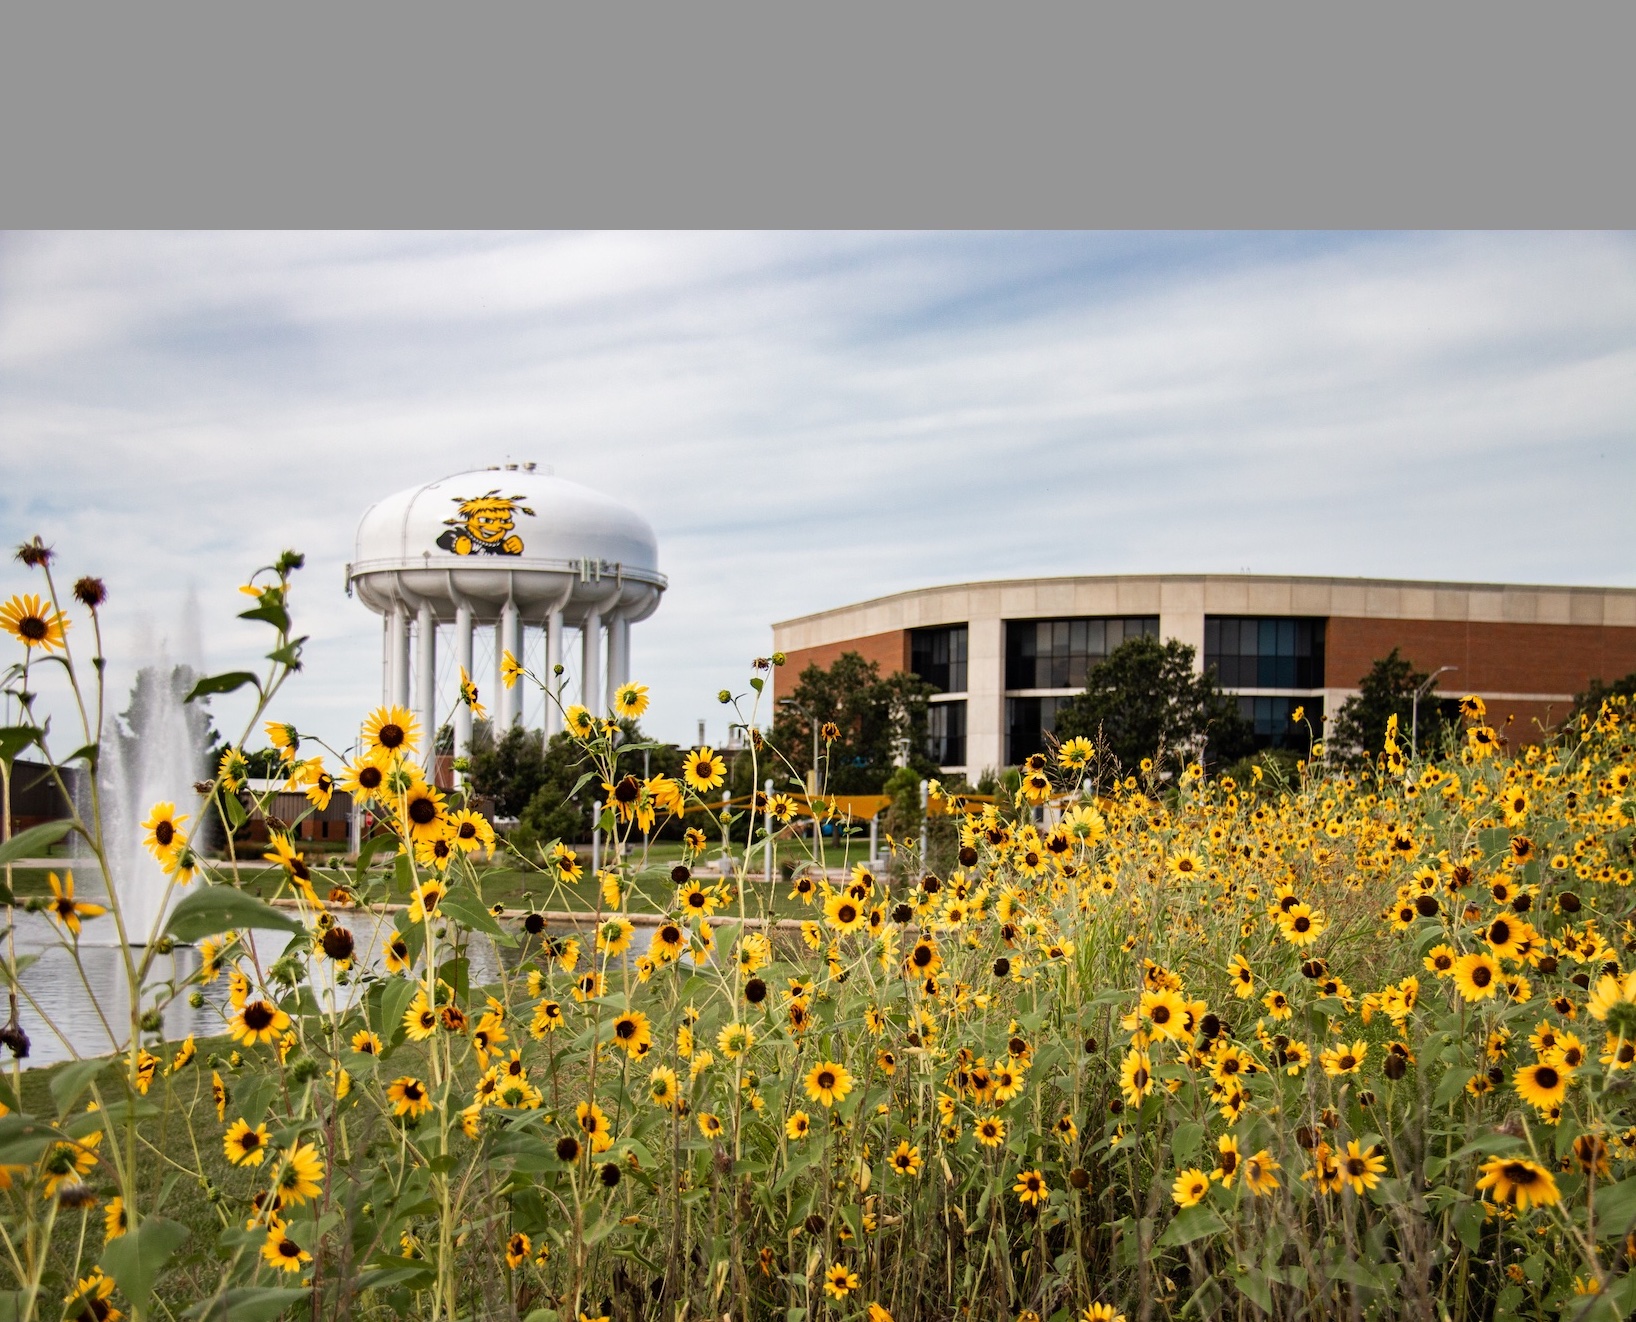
<point x="513" y="549"/>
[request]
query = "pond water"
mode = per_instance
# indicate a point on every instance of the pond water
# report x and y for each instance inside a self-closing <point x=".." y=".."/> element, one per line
<point x="88" y="1005"/>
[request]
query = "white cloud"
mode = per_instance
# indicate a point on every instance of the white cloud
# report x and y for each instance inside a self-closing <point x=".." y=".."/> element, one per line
<point x="813" y="419"/>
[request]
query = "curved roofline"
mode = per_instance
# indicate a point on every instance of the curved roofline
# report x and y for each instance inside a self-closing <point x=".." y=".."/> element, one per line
<point x="1314" y="580"/>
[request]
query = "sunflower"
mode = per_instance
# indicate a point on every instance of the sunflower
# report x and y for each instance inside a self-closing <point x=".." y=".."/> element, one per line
<point x="1258" y="1173"/>
<point x="663" y="1088"/>
<point x="668" y="942"/>
<point x="734" y="1040"/>
<point x="165" y="835"/>
<point x="420" y="1019"/>
<point x="581" y="724"/>
<point x="90" y="1298"/>
<point x="1186" y="864"/>
<point x="799" y="1125"/>
<point x="283" y="1252"/>
<point x="397" y="953"/>
<point x="587" y="987"/>
<point x="435" y="852"/>
<point x="1301" y="924"/>
<point x="924" y="957"/>
<point x="518" y="1249"/>
<point x="547" y="1019"/>
<point x="471" y="831"/>
<point x="409" y="1097"/>
<point x="1165" y="1012"/>
<point x="1136" y="1076"/>
<point x="1075" y="753"/>
<point x="1609" y="994"/>
<point x="1190" y="1187"/>
<point x="257" y="1021"/>
<point x="115" y="1220"/>
<point x="1476" y="976"/>
<point x="906" y="1159"/>
<point x="631" y="1033"/>
<point x="364" y="779"/>
<point x="1100" y="1313"/>
<point x="828" y="1082"/>
<point x="1361" y="1169"/>
<point x="1543" y="1084"/>
<point x="422" y="809"/>
<point x="1241" y="976"/>
<point x="302" y="1175"/>
<point x="839" y="1282"/>
<point x="366" y="1042"/>
<point x="1228" y="1162"/>
<point x="245" y="1146"/>
<point x="1031" y="1187"/>
<point x="1521" y="1184"/>
<point x="392" y="731"/>
<point x="65" y="908"/>
<point x="703" y="770"/>
<point x="843" y="913"/>
<point x="1343" y="1059"/>
<point x="594" y="1125"/>
<point x="34" y="622"/>
<point x="630" y="700"/>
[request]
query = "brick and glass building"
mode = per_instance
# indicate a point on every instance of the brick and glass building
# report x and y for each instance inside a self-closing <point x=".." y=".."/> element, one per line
<point x="1004" y="656"/>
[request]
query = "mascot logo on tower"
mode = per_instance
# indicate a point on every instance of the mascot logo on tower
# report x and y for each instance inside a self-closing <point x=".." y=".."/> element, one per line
<point x="485" y="526"/>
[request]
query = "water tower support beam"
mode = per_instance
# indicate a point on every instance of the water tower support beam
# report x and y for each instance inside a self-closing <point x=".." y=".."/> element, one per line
<point x="553" y="659"/>
<point x="510" y="639"/>
<point x="619" y="653"/>
<point x="590" y="669"/>
<point x="463" y="658"/>
<point x="397" y="655"/>
<point x="426" y="679"/>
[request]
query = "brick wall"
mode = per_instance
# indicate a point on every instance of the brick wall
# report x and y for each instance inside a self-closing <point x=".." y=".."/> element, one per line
<point x="890" y="651"/>
<point x="1492" y="657"/>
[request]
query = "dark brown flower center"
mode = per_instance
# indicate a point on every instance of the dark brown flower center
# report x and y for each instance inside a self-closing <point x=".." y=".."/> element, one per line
<point x="258" y="1015"/>
<point x="422" y="811"/>
<point x="32" y="627"/>
<point x="370" y="778"/>
<point x="390" y="736"/>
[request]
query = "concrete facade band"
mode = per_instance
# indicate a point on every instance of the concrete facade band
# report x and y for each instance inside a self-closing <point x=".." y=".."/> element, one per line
<point x="1527" y="650"/>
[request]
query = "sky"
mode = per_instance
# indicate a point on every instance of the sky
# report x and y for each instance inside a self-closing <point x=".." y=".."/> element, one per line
<point x="807" y="420"/>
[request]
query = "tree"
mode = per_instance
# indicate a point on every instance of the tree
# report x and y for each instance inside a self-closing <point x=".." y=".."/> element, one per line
<point x="1596" y="692"/>
<point x="1359" y="730"/>
<point x="1145" y="701"/>
<point x="882" y="723"/>
<point x="508" y="770"/>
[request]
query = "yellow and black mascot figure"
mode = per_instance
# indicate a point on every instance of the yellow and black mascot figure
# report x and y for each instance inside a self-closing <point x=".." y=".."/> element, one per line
<point x="485" y="526"/>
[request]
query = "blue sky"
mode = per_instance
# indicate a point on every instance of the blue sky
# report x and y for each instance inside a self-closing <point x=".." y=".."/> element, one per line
<point x="811" y="419"/>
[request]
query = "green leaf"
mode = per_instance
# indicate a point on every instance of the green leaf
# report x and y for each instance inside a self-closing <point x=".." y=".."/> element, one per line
<point x="1185" y="1142"/>
<point x="1616" y="1208"/>
<point x="1191" y="1223"/>
<point x="33" y="842"/>
<point x="395" y="998"/>
<point x="1256" y="1288"/>
<point x="257" y="1303"/>
<point x="209" y="910"/>
<point x="71" y="1080"/>
<point x="366" y="854"/>
<point x="23" y="1139"/>
<point x="1452" y="1085"/>
<point x="14" y="739"/>
<point x="233" y="810"/>
<point x="136" y="1258"/>
<point x="1468" y="1221"/>
<point x="466" y="909"/>
<point x="272" y="612"/>
<point x="224" y="683"/>
<point x="289" y="654"/>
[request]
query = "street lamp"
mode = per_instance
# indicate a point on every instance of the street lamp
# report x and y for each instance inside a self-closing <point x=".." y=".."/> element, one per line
<point x="791" y="705"/>
<point x="1414" y="709"/>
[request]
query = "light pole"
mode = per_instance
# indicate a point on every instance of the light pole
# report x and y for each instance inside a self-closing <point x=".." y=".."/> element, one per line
<point x="1414" y="708"/>
<point x="790" y="703"/>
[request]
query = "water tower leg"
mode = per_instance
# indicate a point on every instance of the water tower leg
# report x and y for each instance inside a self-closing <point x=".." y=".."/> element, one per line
<point x="590" y="670"/>
<point x="462" y="655"/>
<point x="397" y="656"/>
<point x="426" y="680"/>
<point x="619" y="653"/>
<point x="553" y="659"/>
<point x="509" y="639"/>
